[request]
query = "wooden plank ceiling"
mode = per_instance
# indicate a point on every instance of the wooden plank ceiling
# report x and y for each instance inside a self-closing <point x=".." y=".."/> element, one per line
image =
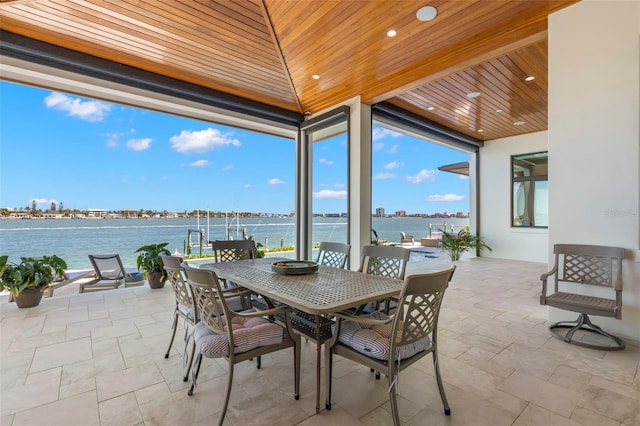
<point x="269" y="50"/>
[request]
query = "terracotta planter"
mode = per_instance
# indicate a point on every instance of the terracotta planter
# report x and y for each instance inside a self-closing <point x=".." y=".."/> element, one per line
<point x="156" y="279"/>
<point x="29" y="297"/>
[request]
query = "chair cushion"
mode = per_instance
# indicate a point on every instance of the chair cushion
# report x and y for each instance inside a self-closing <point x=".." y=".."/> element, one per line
<point x="185" y="311"/>
<point x="248" y="334"/>
<point x="375" y="340"/>
<point x="235" y="303"/>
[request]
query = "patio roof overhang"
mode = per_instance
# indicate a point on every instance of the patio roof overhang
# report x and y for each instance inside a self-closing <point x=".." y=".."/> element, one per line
<point x="262" y="56"/>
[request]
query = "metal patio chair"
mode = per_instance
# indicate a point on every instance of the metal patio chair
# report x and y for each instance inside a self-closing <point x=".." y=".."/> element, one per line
<point x="392" y="343"/>
<point x="251" y="334"/>
<point x="185" y="307"/>
<point x="110" y="273"/>
<point x="577" y="265"/>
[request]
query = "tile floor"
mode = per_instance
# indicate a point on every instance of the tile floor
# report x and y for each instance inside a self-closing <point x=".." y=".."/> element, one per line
<point x="97" y="359"/>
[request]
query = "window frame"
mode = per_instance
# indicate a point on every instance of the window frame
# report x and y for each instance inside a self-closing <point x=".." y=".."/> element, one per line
<point x="534" y="178"/>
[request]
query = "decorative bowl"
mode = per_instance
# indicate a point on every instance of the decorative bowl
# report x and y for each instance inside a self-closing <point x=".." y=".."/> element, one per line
<point x="294" y="267"/>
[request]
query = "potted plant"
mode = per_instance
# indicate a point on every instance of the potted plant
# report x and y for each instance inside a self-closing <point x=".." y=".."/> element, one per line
<point x="28" y="279"/>
<point x="150" y="262"/>
<point x="464" y="240"/>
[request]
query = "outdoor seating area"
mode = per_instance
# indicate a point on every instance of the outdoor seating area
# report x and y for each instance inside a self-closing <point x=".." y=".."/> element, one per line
<point x="100" y="356"/>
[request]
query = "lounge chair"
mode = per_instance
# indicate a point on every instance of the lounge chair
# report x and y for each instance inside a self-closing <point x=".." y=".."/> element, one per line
<point x="110" y="273"/>
<point x="406" y="239"/>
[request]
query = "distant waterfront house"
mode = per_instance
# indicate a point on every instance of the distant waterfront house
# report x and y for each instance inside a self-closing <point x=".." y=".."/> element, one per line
<point x="93" y="213"/>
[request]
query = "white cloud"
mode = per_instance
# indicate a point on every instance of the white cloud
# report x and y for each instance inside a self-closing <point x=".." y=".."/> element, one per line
<point x="423" y="175"/>
<point x="202" y="141"/>
<point x="247" y="185"/>
<point x="338" y="185"/>
<point x="393" y="165"/>
<point x="380" y="133"/>
<point x="330" y="194"/>
<point x="383" y="176"/>
<point x="445" y="197"/>
<point x="325" y="161"/>
<point x="229" y="167"/>
<point x="377" y="146"/>
<point x="394" y="148"/>
<point x="275" y="181"/>
<point x="200" y="163"/>
<point x="113" y="140"/>
<point x="139" y="144"/>
<point x="75" y="107"/>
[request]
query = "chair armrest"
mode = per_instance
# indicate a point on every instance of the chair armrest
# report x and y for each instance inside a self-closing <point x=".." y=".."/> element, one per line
<point x="234" y="292"/>
<point x="546" y="275"/>
<point x="543" y="277"/>
<point x="268" y="312"/>
<point x="363" y="319"/>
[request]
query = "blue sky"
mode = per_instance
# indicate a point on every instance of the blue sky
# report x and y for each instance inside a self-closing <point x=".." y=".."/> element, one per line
<point x="56" y="147"/>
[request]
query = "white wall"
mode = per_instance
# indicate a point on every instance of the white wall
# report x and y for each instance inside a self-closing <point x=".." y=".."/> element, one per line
<point x="594" y="130"/>
<point x="495" y="199"/>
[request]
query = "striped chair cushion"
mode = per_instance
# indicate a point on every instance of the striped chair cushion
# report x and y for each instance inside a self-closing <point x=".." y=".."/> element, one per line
<point x="248" y="334"/>
<point x="375" y="340"/>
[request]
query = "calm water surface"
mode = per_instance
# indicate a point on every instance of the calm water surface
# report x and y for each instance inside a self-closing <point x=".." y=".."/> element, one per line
<point x="74" y="239"/>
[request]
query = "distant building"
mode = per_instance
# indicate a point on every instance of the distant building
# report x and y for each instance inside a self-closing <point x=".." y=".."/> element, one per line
<point x="96" y="212"/>
<point x="401" y="213"/>
<point x="380" y="212"/>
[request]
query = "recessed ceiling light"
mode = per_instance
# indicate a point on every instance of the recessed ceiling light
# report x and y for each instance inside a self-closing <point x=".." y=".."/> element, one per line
<point x="473" y="94"/>
<point x="426" y="13"/>
<point x="315" y="76"/>
<point x="530" y="78"/>
<point x="499" y="110"/>
<point x="431" y="108"/>
<point x="480" y="130"/>
<point x="391" y="33"/>
<point x="518" y="123"/>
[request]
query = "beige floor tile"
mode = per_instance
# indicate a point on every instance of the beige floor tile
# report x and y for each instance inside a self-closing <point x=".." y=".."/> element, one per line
<point x="58" y="321"/>
<point x="60" y="354"/>
<point x="534" y="415"/>
<point x="80" y="409"/>
<point x="38" y="389"/>
<point x="336" y="417"/>
<point x="570" y="378"/>
<point x="587" y="417"/>
<point x="612" y="405"/>
<point x="120" y="411"/>
<point x="112" y="384"/>
<point x="544" y="394"/>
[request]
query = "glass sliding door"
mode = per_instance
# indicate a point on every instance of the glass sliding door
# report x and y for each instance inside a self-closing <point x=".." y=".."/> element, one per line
<point x="324" y="178"/>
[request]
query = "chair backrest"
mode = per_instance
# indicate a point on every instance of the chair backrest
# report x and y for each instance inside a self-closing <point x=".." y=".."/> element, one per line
<point x="107" y="266"/>
<point x="589" y="264"/>
<point x="387" y="261"/>
<point x="419" y="308"/>
<point x="333" y="254"/>
<point x="209" y="300"/>
<point x="175" y="273"/>
<point x="231" y="250"/>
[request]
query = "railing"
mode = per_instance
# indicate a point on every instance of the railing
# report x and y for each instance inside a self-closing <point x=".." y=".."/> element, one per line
<point x="439" y="227"/>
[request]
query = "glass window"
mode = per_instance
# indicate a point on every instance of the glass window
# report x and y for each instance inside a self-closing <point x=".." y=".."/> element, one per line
<point x="530" y="195"/>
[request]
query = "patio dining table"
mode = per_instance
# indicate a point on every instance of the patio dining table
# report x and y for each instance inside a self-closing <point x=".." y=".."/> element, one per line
<point x="317" y="294"/>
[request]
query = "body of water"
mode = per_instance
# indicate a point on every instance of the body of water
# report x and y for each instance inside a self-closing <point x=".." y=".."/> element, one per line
<point x="74" y="239"/>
